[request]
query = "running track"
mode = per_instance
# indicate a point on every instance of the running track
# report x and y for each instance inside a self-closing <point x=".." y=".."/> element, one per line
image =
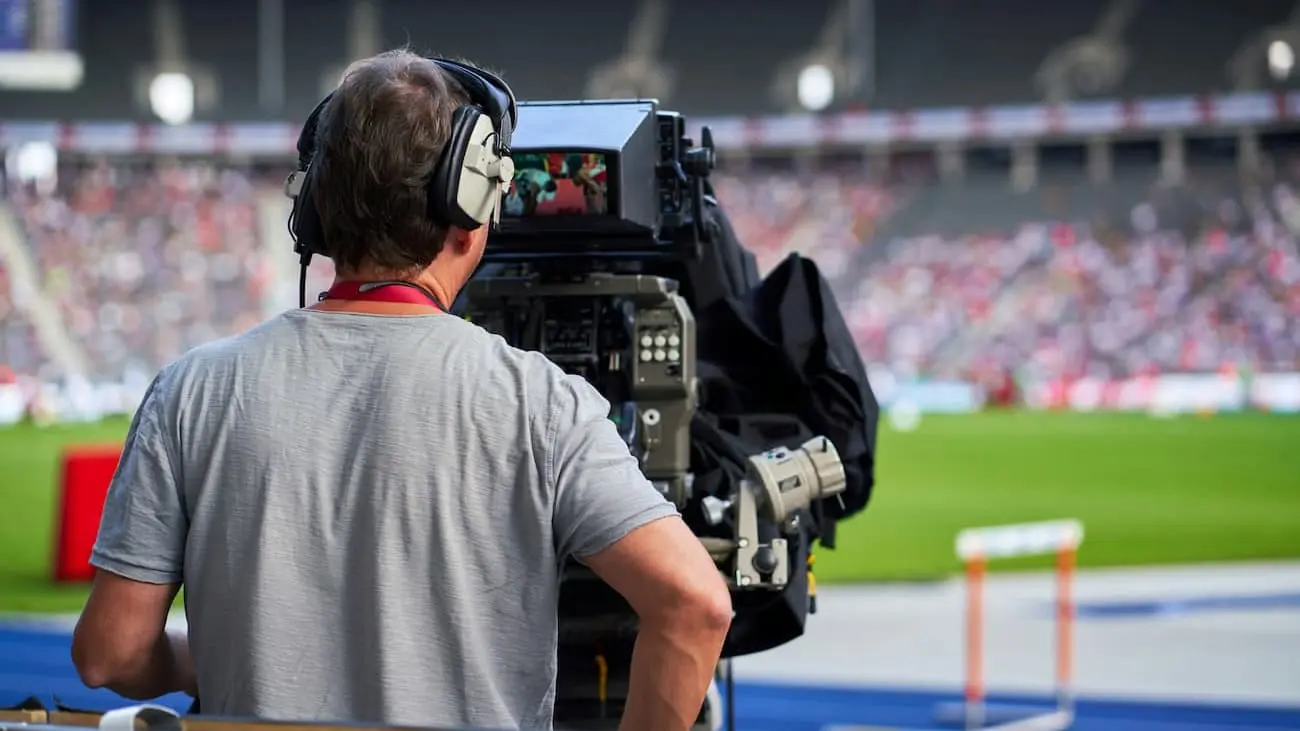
<point x="36" y="662"/>
<point x="1181" y="635"/>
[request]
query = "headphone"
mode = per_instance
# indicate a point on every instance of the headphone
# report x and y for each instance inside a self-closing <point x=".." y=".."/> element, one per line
<point x="467" y="184"/>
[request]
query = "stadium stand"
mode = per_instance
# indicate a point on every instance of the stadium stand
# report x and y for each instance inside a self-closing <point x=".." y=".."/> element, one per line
<point x="1169" y="278"/>
<point x="144" y="260"/>
<point x="1066" y="280"/>
<point x="143" y="256"/>
<point x="930" y="53"/>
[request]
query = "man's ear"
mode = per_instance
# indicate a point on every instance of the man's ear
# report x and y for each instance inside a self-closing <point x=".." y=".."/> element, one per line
<point x="459" y="240"/>
<point x="476" y="240"/>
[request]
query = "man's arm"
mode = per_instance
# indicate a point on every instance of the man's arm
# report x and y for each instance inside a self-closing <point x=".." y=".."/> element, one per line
<point x="121" y="641"/>
<point x="611" y="518"/>
<point x="664" y="573"/>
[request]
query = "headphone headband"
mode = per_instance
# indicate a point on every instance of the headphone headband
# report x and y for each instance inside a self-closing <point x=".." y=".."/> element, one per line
<point x="307" y="137"/>
<point x="489" y="93"/>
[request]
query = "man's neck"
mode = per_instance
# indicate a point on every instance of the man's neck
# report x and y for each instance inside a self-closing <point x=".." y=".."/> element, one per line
<point x="427" y="280"/>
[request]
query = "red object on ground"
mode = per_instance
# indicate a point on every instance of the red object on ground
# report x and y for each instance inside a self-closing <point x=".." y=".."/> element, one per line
<point x="84" y="478"/>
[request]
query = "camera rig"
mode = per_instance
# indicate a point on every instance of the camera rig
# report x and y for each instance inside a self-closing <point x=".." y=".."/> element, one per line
<point x="607" y="196"/>
<point x="633" y="337"/>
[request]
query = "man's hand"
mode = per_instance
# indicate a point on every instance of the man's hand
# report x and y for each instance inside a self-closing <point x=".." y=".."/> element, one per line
<point x="121" y="641"/>
<point x="665" y="574"/>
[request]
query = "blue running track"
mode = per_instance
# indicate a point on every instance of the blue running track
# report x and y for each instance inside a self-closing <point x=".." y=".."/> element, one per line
<point x="36" y="662"/>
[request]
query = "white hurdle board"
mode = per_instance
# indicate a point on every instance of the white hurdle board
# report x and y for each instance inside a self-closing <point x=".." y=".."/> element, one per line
<point x="1022" y="539"/>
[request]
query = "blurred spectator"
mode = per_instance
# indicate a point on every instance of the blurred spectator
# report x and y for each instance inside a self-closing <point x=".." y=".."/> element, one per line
<point x="20" y="351"/>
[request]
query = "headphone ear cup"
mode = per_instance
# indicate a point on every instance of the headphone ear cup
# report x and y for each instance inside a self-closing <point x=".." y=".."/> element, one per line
<point x="485" y="174"/>
<point x="306" y="221"/>
<point x="454" y="198"/>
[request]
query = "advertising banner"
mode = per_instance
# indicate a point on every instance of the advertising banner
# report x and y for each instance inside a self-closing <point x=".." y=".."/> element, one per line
<point x="1171" y="393"/>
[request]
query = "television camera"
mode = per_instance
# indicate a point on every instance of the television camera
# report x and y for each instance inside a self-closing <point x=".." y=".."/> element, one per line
<point x="606" y="211"/>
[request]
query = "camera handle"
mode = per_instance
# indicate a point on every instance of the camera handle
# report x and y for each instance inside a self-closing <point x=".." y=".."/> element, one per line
<point x="778" y="485"/>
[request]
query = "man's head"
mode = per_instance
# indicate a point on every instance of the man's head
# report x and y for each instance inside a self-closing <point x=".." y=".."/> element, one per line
<point x="378" y="142"/>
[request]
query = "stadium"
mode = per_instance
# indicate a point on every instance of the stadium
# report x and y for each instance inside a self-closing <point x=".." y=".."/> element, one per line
<point x="1064" y="240"/>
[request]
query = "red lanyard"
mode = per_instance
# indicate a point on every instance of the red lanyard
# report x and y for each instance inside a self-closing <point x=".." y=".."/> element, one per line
<point x="399" y="292"/>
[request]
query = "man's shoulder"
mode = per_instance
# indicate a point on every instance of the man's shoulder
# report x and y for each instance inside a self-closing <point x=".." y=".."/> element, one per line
<point x="529" y="363"/>
<point x="537" y="384"/>
<point x="216" y="363"/>
<point x="230" y="347"/>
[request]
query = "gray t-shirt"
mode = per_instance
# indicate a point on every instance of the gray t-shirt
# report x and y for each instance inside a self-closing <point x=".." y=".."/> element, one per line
<point x="369" y="515"/>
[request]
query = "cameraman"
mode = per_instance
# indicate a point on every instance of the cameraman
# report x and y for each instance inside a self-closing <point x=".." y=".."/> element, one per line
<point x="369" y="501"/>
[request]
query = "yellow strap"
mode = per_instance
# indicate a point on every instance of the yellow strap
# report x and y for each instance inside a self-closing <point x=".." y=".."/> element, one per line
<point x="812" y="580"/>
<point x="602" y="687"/>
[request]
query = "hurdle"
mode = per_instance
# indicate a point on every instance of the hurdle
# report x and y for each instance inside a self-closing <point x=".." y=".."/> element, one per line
<point x="976" y="547"/>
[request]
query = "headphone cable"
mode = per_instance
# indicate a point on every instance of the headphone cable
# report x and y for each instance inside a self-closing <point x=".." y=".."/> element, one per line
<point x="303" y="262"/>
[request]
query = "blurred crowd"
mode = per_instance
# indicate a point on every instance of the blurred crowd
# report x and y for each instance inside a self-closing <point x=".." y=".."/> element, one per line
<point x="143" y="260"/>
<point x="823" y="215"/>
<point x="1191" y="278"/>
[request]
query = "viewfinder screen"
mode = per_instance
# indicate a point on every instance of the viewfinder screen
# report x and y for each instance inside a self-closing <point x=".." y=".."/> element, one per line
<point x="558" y="184"/>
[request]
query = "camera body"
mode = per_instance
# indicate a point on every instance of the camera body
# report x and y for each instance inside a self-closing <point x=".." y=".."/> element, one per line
<point x="631" y="336"/>
<point x="608" y="197"/>
<point x="604" y="191"/>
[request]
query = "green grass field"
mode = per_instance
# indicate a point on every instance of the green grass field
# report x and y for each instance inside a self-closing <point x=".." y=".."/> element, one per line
<point x="1148" y="491"/>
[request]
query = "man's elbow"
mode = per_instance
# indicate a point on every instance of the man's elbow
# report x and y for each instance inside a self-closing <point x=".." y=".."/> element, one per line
<point x="93" y="666"/>
<point x="705" y="609"/>
<point x="714" y="607"/>
<point x="93" y="676"/>
<point x="102" y="662"/>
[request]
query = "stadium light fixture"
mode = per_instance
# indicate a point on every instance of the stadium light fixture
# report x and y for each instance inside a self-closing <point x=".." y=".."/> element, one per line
<point x="815" y="87"/>
<point x="34" y="161"/>
<point x="171" y="96"/>
<point x="1281" y="59"/>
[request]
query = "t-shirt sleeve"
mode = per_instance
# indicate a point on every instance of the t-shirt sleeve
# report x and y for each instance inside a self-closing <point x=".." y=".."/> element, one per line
<point x="600" y="493"/>
<point x="143" y="530"/>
